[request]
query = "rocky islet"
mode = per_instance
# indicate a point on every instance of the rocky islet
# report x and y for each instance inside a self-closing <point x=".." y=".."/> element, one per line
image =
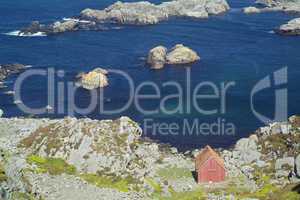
<point x="133" y="13"/>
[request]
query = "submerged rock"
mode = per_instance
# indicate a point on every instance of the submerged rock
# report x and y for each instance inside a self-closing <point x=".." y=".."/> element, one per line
<point x="157" y="57"/>
<point x="94" y="79"/>
<point x="251" y="9"/>
<point x="291" y="28"/>
<point x="181" y="54"/>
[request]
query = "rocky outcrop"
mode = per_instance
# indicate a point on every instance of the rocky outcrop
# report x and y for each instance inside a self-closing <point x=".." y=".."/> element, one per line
<point x="133" y="13"/>
<point x="291" y="28"/>
<point x="289" y="6"/>
<point x="143" y="13"/>
<point x="94" y="79"/>
<point x="284" y="5"/>
<point x="253" y="10"/>
<point x="8" y="69"/>
<point x="57" y="159"/>
<point x="107" y="158"/>
<point x="89" y="145"/>
<point x="181" y="54"/>
<point x="60" y="27"/>
<point x="246" y="149"/>
<point x="178" y="55"/>
<point x="157" y="57"/>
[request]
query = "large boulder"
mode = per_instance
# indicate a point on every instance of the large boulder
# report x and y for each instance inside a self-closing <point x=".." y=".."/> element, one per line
<point x="94" y="79"/>
<point x="181" y="54"/>
<point x="246" y="150"/>
<point x="291" y="28"/>
<point x="157" y="57"/>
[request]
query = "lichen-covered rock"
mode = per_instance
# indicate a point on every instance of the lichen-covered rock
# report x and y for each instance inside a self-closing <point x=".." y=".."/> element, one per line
<point x="246" y="149"/>
<point x="94" y="79"/>
<point x="291" y="28"/>
<point x="181" y="54"/>
<point x="157" y="57"/>
<point x="90" y="145"/>
<point x="284" y="162"/>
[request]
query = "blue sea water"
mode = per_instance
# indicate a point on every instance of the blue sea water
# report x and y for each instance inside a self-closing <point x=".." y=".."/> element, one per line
<point x="233" y="47"/>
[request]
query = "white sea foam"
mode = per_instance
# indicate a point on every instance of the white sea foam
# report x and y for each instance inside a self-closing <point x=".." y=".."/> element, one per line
<point x="271" y="32"/>
<point x="20" y="34"/>
<point x="76" y="20"/>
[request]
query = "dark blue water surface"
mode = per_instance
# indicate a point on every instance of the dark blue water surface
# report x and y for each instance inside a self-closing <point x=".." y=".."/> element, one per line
<point x="233" y="47"/>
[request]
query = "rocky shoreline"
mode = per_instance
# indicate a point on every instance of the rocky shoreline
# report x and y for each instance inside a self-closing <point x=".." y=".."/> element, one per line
<point x="291" y="28"/>
<point x="8" y="69"/>
<point x="133" y="13"/>
<point x="109" y="159"/>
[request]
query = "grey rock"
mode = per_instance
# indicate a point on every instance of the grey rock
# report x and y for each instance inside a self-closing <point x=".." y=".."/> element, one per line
<point x="60" y="27"/>
<point x="246" y="150"/>
<point x="297" y="165"/>
<point x="174" y="150"/>
<point x="8" y="69"/>
<point x="284" y="162"/>
<point x="133" y="13"/>
<point x="251" y="9"/>
<point x="284" y="5"/>
<point x="290" y="28"/>
<point x="157" y="57"/>
<point x="181" y="54"/>
<point x="97" y="78"/>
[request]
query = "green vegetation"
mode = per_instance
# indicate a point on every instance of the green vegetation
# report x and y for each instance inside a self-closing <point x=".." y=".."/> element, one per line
<point x="3" y="176"/>
<point x="196" y="194"/>
<point x="278" y="143"/>
<point x="266" y="192"/>
<point x="156" y="186"/>
<point x="191" y="195"/>
<point x="49" y="132"/>
<point x="108" y="182"/>
<point x="22" y="196"/>
<point x="57" y="166"/>
<point x="54" y="166"/>
<point x="174" y="173"/>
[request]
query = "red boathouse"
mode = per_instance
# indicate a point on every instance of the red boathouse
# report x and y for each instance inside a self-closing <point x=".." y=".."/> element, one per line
<point x="209" y="166"/>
